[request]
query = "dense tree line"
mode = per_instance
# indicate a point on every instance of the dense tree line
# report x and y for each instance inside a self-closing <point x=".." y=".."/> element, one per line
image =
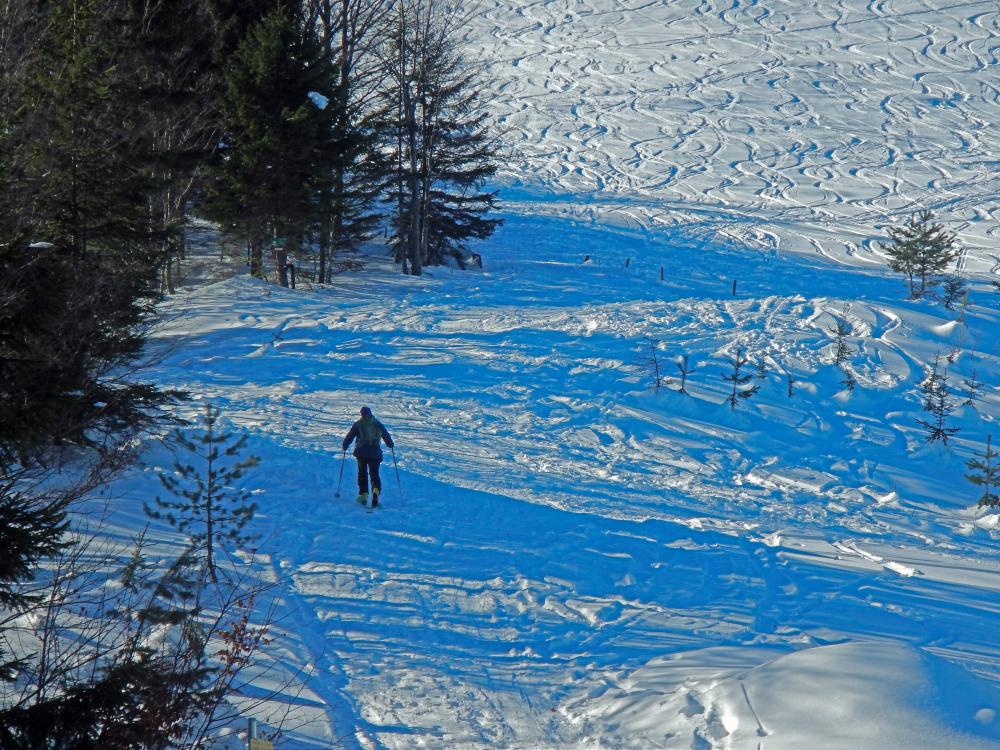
<point x="317" y="121"/>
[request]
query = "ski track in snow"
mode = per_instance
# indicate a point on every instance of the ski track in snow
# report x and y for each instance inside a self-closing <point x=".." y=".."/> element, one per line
<point x="802" y="126"/>
<point x="563" y="525"/>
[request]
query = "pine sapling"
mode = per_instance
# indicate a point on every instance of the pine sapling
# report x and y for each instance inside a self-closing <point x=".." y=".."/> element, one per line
<point x="953" y="290"/>
<point x="848" y="381"/>
<point x="940" y="405"/>
<point x="760" y="368"/>
<point x="841" y="351"/>
<point x="791" y="384"/>
<point x="972" y="389"/>
<point x="986" y="474"/>
<point x="739" y="379"/>
<point x="931" y="385"/>
<point x="209" y="504"/>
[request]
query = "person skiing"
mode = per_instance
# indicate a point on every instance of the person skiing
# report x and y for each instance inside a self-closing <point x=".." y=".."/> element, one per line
<point x="369" y="433"/>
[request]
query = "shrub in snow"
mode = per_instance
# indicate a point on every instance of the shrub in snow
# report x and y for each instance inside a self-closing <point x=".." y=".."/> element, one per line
<point x="985" y="474"/>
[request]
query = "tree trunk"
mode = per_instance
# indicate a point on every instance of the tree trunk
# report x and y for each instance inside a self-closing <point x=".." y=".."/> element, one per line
<point x="281" y="261"/>
<point x="324" y="237"/>
<point x="414" y="250"/>
<point x="256" y="258"/>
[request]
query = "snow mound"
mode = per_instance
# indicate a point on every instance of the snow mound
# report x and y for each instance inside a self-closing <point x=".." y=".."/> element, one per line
<point x="851" y="696"/>
<point x="865" y="695"/>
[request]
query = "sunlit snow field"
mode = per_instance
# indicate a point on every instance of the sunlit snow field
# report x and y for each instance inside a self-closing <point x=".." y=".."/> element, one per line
<point x="572" y="558"/>
<point x="806" y="126"/>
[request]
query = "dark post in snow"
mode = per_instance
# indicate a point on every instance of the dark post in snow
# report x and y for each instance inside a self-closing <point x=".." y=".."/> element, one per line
<point x="661" y="273"/>
<point x="291" y="273"/>
<point x="734" y="287"/>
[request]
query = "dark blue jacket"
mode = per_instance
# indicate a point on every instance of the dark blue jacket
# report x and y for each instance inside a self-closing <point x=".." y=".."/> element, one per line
<point x="369" y="450"/>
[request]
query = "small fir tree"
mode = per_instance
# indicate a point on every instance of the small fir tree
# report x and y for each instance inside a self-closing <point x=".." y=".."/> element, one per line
<point x="972" y="389"/>
<point x="848" y="381"/>
<point x="986" y="474"/>
<point x="953" y="290"/>
<point x="939" y="403"/>
<point x="208" y="503"/>
<point x="739" y="379"/>
<point x="791" y="384"/>
<point x="931" y="385"/>
<point x="841" y="351"/>
<point x="760" y="369"/>
<point x="921" y="249"/>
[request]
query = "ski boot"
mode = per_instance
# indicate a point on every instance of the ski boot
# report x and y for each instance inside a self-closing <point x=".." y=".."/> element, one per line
<point x="363" y="498"/>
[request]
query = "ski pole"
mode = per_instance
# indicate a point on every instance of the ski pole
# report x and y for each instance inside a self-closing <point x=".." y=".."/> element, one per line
<point x="343" y="460"/>
<point x="398" y="483"/>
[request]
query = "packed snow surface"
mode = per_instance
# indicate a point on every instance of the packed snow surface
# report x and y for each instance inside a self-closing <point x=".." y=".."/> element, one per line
<point x="569" y="556"/>
<point x="573" y="558"/>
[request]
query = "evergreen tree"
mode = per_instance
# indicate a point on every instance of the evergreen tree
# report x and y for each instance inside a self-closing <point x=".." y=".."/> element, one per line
<point x="31" y="529"/>
<point x="739" y="379"/>
<point x="954" y="289"/>
<point x="78" y="265"/>
<point x="841" y="351"/>
<point x="167" y="51"/>
<point x="921" y="249"/>
<point x="939" y="403"/>
<point x="972" y="389"/>
<point x="207" y="503"/>
<point x="444" y="149"/>
<point x="263" y="186"/>
<point x="986" y="474"/>
<point x="79" y="136"/>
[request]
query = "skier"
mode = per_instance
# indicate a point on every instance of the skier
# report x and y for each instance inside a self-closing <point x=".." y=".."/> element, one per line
<point x="368" y="450"/>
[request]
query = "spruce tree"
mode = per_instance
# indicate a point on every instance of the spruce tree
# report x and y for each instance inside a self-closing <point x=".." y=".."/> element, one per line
<point x="939" y="403"/>
<point x="739" y="379"/>
<point x="921" y="249"/>
<point x="264" y="184"/>
<point x="986" y="474"/>
<point x="841" y="351"/>
<point x="208" y="503"/>
<point x="972" y="389"/>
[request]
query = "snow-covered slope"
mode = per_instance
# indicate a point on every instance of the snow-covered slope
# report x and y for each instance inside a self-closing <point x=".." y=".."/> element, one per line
<point x="804" y="125"/>
<point x="571" y="558"/>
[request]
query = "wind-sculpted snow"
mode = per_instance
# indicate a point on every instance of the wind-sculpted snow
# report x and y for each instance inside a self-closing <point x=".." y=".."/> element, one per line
<point x="804" y="126"/>
<point x="571" y="558"/>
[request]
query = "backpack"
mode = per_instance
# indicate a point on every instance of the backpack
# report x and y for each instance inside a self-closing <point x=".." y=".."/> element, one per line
<point x="368" y="433"/>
